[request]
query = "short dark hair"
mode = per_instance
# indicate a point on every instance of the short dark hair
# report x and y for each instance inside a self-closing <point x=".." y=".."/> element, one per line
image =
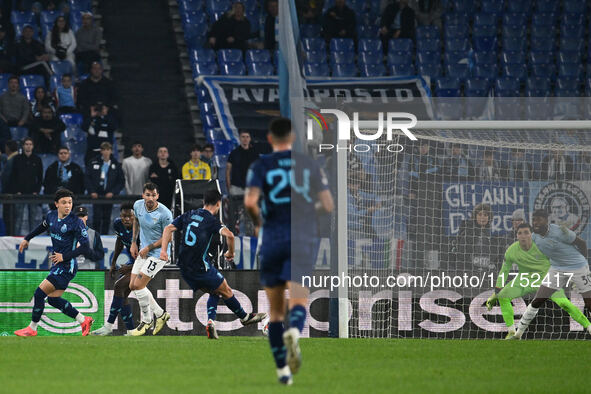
<point x="13" y="77"/>
<point x="525" y="225"/>
<point x="63" y="147"/>
<point x="61" y="193"/>
<point x="150" y="186"/>
<point x="211" y="197"/>
<point x="125" y="206"/>
<point x="243" y="131"/>
<point x="137" y="143"/>
<point x="66" y="75"/>
<point x="540" y="213"/>
<point x="12" y="145"/>
<point x="28" y="139"/>
<point x="196" y="147"/>
<point x="209" y="145"/>
<point x="280" y="127"/>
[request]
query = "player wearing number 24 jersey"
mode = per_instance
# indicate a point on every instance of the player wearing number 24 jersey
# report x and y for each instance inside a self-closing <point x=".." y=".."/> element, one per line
<point x="290" y="184"/>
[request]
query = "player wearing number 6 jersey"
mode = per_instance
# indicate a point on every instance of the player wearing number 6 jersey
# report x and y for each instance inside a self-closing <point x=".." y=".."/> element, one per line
<point x="198" y="228"/>
<point x="568" y="265"/>
<point x="288" y="182"/>
<point x="532" y="268"/>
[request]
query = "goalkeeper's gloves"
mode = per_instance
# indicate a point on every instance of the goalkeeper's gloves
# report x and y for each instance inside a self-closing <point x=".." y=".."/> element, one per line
<point x="492" y="301"/>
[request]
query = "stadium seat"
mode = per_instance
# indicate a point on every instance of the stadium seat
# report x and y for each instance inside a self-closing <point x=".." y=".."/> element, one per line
<point x="395" y="58"/>
<point x="542" y="45"/>
<point x="484" y="31"/>
<point x="572" y="19"/>
<point x="463" y="6"/>
<point x="344" y="70"/>
<point x="486" y="71"/>
<point x="191" y="5"/>
<point x="28" y="92"/>
<point x="455" y="32"/>
<point x="514" y="44"/>
<point x="18" y="30"/>
<point x="18" y="133"/>
<point x="342" y="45"/>
<point x="316" y="70"/>
<point x="542" y="33"/>
<point x="427" y="32"/>
<point x="212" y="6"/>
<point x="485" y="57"/>
<point x="234" y="68"/>
<point x="547" y="6"/>
<point x="519" y="31"/>
<point x="429" y="44"/>
<point x="521" y="6"/>
<point x="72" y="119"/>
<point x="570" y="70"/>
<point x="21" y="17"/>
<point x="428" y="58"/>
<point x="47" y="159"/>
<point x="340" y="57"/>
<point x="544" y="71"/>
<point x="515" y="70"/>
<point x="432" y="70"/>
<point x="567" y="87"/>
<point x="537" y="87"/>
<point x="368" y="31"/>
<point x="224" y="147"/>
<point x="202" y="55"/>
<point x="49" y="17"/>
<point x="371" y="57"/>
<point x="575" y="7"/>
<point x="314" y="44"/>
<point x="540" y="58"/>
<point x="485" y="19"/>
<point x="61" y="67"/>
<point x="507" y="87"/>
<point x="455" y="57"/>
<point x="514" y="19"/>
<point x="370" y="45"/>
<point x="402" y="70"/>
<point x="588" y="87"/>
<point x="229" y="56"/>
<point x="485" y="43"/>
<point x="261" y="69"/>
<point x="546" y="20"/>
<point x="310" y="31"/>
<point x="372" y="70"/>
<point x="451" y="18"/>
<point x="457" y="45"/>
<point x="258" y="56"/>
<point x="447" y="87"/>
<point x="477" y="87"/>
<point x="402" y="44"/>
<point x="205" y="69"/>
<point x="315" y="56"/>
<point x="572" y="44"/>
<point x="512" y="57"/>
<point x="492" y="7"/>
<point x="457" y="71"/>
<point x="32" y="81"/>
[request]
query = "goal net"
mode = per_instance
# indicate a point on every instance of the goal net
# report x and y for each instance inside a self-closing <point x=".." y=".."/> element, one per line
<point x="428" y="226"/>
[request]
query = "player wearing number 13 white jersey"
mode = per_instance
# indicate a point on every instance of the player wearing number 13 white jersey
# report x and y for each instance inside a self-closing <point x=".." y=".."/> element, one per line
<point x="568" y="265"/>
<point x="151" y="218"/>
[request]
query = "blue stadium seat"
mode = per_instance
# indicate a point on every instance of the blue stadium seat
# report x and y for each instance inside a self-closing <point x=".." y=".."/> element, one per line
<point x="570" y="70"/>
<point x="484" y="31"/>
<point x="588" y="87"/>
<point x="455" y="31"/>
<point x="567" y="87"/>
<point x="28" y="92"/>
<point x="572" y="44"/>
<point x="547" y="6"/>
<point x="18" y="133"/>
<point x="518" y="31"/>
<point x="21" y="17"/>
<point x="507" y="87"/>
<point x="370" y="45"/>
<point x="540" y="58"/>
<point x="542" y="33"/>
<point x="511" y="57"/>
<point x="477" y="87"/>
<point x="514" y="19"/>
<point x="316" y="70"/>
<point x="372" y="70"/>
<point x="543" y="19"/>
<point x="344" y="70"/>
<point x="566" y="57"/>
<point x="542" y="45"/>
<point x="254" y="17"/>
<point x="212" y="6"/>
<point x="428" y="32"/>
<point x="340" y="57"/>
<point x="72" y="119"/>
<point x="49" y="17"/>
<point x="572" y="19"/>
<point x="61" y="67"/>
<point x="451" y="18"/>
<point x="205" y="69"/>
<point x="47" y="159"/>
<point x="192" y="5"/>
<point x="202" y="55"/>
<point x="229" y="56"/>
<point x="395" y="58"/>
<point x="314" y="44"/>
<point x="18" y="30"/>
<point x="463" y="6"/>
<point x="402" y="70"/>
<point x="258" y="56"/>
<point x="401" y="44"/>
<point x="514" y="44"/>
<point x="316" y="57"/>
<point x="521" y="6"/>
<point x="429" y="44"/>
<point x="572" y="32"/>
<point x="31" y="81"/>
<point x="575" y="7"/>
<point x="223" y="147"/>
<point x="54" y="82"/>
<point x="492" y="6"/>
<point x="485" y="19"/>
<point x="342" y="44"/>
<point x="365" y="31"/>
<point x="447" y="87"/>
<point x="372" y="57"/>
<point x="81" y="5"/>
<point x="310" y="31"/>
<point x="485" y="57"/>
<point x="457" y="45"/>
<point x="455" y="57"/>
<point x="261" y="69"/>
<point x="458" y="71"/>
<point x="432" y="70"/>
<point x="515" y="71"/>
<point x="485" y="43"/>
<point x="537" y="87"/>
<point x="486" y="71"/>
<point x="233" y="68"/>
<point x="428" y="58"/>
<point x="544" y="71"/>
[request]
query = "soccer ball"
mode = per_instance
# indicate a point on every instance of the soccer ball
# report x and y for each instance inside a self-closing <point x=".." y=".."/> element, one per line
<point x="265" y="329"/>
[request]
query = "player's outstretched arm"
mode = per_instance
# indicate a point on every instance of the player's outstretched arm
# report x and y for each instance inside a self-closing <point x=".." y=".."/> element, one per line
<point x="230" y="240"/>
<point x="165" y="240"/>
<point x="38" y="231"/>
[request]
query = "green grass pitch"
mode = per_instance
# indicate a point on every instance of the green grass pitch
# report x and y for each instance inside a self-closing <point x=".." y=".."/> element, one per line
<point x="244" y="365"/>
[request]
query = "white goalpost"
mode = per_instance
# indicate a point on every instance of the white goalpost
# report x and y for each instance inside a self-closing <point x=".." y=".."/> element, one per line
<point x="410" y="214"/>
